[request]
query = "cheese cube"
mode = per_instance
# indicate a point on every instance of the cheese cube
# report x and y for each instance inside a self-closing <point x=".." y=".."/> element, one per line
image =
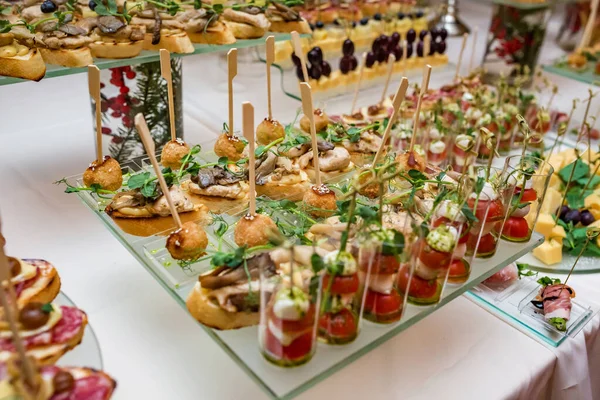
<point x="545" y="224"/>
<point x="592" y="201"/>
<point x="551" y="201"/>
<point x="556" y="160"/>
<point x="555" y="182"/>
<point x="558" y="234"/>
<point x="549" y="252"/>
<point x="595" y="213"/>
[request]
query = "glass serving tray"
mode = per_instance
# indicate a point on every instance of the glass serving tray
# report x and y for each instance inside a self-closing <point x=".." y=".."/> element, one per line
<point x="241" y="345"/>
<point x="87" y="353"/>
<point x="585" y="75"/>
<point x="147" y="56"/>
<point x="512" y="302"/>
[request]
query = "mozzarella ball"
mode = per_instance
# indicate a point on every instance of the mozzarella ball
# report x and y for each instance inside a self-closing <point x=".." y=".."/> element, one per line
<point x="173" y="152"/>
<point x="187" y="243"/>
<point x="254" y="230"/>
<point x="229" y="146"/>
<point x="107" y="174"/>
<point x="269" y="131"/>
<point x="321" y="121"/>
<point x="320" y="201"/>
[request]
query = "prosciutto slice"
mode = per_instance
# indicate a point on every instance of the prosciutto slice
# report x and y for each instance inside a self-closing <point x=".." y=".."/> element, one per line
<point x="557" y="302"/>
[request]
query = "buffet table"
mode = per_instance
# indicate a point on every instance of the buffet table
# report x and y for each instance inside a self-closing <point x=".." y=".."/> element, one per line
<point x="156" y="351"/>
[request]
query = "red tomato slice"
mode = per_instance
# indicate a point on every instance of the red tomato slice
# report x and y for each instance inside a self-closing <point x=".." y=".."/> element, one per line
<point x="528" y="195"/>
<point x="294" y="326"/>
<point x="516" y="227"/>
<point x="419" y="288"/>
<point x="299" y="348"/>
<point x="381" y="304"/>
<point x="433" y="258"/>
<point x="342" y="284"/>
<point x="381" y="263"/>
<point x="341" y="325"/>
<point x="458" y="268"/>
<point x="487" y="244"/>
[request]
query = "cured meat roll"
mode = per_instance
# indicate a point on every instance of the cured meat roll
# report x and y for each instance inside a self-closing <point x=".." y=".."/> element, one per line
<point x="554" y="299"/>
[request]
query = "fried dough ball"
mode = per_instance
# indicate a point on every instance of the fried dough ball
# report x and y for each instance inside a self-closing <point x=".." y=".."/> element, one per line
<point x="320" y="201"/>
<point x="372" y="190"/>
<point x="269" y="131"/>
<point x="187" y="243"/>
<point x="229" y="146"/>
<point x="254" y="230"/>
<point x="577" y="60"/>
<point x="173" y="152"/>
<point x="321" y="121"/>
<point x="411" y="160"/>
<point x="107" y="174"/>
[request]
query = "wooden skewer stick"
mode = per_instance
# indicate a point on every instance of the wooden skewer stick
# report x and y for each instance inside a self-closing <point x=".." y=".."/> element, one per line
<point x="390" y="71"/>
<point x="307" y="108"/>
<point x="554" y="91"/>
<point x="589" y="27"/>
<point x="165" y="71"/>
<point x="248" y="131"/>
<point x="424" y="88"/>
<point x="144" y="132"/>
<point x="270" y="59"/>
<point x="460" y="56"/>
<point x="473" y="48"/>
<point x="94" y="87"/>
<point x="585" y="115"/>
<point x="360" y="76"/>
<point x="590" y="233"/>
<point x="398" y="99"/>
<point x="231" y="73"/>
<point x="426" y="45"/>
<point x="298" y="51"/>
<point x="10" y="309"/>
<point x="404" y="57"/>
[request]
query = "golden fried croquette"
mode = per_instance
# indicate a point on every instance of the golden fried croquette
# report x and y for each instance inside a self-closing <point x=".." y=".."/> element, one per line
<point x="107" y="174"/>
<point x="321" y="121"/>
<point x="187" y="243"/>
<point x="229" y="146"/>
<point x="371" y="190"/>
<point x="320" y="201"/>
<point x="173" y="152"/>
<point x="269" y="131"/>
<point x="254" y="230"/>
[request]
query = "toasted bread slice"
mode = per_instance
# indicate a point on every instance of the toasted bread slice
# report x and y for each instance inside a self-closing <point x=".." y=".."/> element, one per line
<point x="290" y="26"/>
<point x="217" y="36"/>
<point x="30" y="66"/>
<point x="73" y="58"/>
<point x="46" y="286"/>
<point x="176" y="43"/>
<point x="210" y="314"/>
<point x="245" y="31"/>
<point x="116" y="50"/>
<point x="48" y="355"/>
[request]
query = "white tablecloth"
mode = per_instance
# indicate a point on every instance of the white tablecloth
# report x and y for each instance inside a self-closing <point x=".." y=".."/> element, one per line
<point x="156" y="351"/>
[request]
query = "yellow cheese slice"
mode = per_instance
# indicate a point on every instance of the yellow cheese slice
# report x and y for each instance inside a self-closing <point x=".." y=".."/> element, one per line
<point x="592" y="201"/>
<point x="55" y="316"/>
<point x="28" y="271"/>
<point x="551" y="201"/>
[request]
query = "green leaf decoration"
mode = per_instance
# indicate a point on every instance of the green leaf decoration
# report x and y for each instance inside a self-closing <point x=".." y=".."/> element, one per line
<point x="581" y="171"/>
<point x="137" y="181"/>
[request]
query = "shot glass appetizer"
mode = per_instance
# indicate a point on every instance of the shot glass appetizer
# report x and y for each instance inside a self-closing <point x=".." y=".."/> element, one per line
<point x="530" y="177"/>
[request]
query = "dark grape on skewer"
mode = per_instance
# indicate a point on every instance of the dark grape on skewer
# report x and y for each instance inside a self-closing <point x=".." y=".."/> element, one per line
<point x="382" y="55"/>
<point x="345" y="64"/>
<point x="440" y="47"/>
<point x="348" y="47"/>
<point x="420" y="46"/>
<point x="423" y="33"/>
<point x="376" y="45"/>
<point x="299" y="73"/>
<point x="315" y="71"/>
<point x="398" y="53"/>
<point x="443" y="33"/>
<point x="296" y="60"/>
<point x="315" y="55"/>
<point x="370" y="60"/>
<point x="411" y="36"/>
<point x="394" y="39"/>
<point x="409" y="50"/>
<point x="353" y="63"/>
<point x="325" y="69"/>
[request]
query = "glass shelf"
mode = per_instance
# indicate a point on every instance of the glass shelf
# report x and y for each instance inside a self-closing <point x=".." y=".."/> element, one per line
<point x="528" y="5"/>
<point x="586" y="75"/>
<point x="150" y="56"/>
<point x="87" y="353"/>
<point x="241" y="345"/>
<point x="512" y="303"/>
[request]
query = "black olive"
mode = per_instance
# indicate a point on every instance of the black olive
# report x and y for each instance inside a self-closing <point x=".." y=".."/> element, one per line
<point x="92" y="5"/>
<point x="538" y="304"/>
<point x="364" y="21"/>
<point x="32" y="316"/>
<point x="400" y="15"/>
<point x="419" y="14"/>
<point x="48" y="7"/>
<point x="377" y="17"/>
<point x="319" y="24"/>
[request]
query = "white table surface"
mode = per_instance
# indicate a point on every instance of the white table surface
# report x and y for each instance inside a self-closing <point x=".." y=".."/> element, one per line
<point x="151" y="345"/>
